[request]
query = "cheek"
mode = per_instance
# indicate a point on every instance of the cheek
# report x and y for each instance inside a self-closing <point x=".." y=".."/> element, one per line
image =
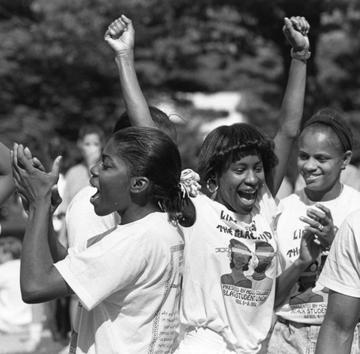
<point x="261" y="177"/>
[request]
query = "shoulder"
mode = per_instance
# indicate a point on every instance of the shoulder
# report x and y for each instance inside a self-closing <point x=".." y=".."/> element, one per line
<point x="291" y="200"/>
<point x="350" y="194"/>
<point x="352" y="222"/>
<point x="205" y="205"/>
<point x="153" y="229"/>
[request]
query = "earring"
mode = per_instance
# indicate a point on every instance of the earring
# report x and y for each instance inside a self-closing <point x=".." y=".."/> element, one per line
<point x="211" y="185"/>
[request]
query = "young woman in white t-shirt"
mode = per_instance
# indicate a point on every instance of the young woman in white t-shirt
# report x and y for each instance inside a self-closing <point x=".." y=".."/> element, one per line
<point x="128" y="279"/>
<point x="325" y="146"/>
<point x="236" y="164"/>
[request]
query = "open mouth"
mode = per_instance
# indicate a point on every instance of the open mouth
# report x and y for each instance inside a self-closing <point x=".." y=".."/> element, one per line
<point x="94" y="197"/>
<point x="248" y="197"/>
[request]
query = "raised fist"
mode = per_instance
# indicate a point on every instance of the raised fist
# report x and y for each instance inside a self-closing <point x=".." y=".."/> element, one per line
<point x="296" y="31"/>
<point x="120" y="35"/>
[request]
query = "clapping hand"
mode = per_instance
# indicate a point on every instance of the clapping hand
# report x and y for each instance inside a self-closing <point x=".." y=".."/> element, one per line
<point x="32" y="181"/>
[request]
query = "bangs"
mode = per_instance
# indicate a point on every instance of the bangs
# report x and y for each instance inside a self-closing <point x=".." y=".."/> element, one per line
<point x="239" y="153"/>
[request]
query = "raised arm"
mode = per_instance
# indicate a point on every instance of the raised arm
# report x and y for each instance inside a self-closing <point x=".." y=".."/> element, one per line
<point x="337" y="331"/>
<point x="39" y="279"/>
<point x="6" y="180"/>
<point x="295" y="30"/>
<point x="121" y="36"/>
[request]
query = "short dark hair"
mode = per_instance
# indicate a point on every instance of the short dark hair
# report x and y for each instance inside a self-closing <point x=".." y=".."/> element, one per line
<point x="151" y="153"/>
<point x="226" y="144"/>
<point x="332" y="119"/>
<point x="160" y="118"/>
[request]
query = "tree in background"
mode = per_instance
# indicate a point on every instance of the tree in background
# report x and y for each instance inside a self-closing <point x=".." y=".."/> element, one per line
<point x="57" y="73"/>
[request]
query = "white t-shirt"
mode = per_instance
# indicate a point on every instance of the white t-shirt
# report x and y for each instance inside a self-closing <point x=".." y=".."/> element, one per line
<point x="222" y="292"/>
<point x="341" y="272"/>
<point x="129" y="286"/>
<point x="82" y="223"/>
<point x="14" y="313"/>
<point x="308" y="300"/>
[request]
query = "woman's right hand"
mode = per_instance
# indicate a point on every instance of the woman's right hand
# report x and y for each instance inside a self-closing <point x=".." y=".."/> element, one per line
<point x="296" y="31"/>
<point x="33" y="183"/>
<point x="309" y="249"/>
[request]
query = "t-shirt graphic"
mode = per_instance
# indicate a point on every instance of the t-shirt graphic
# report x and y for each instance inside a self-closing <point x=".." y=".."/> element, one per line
<point x="249" y="262"/>
<point x="229" y="274"/>
<point x="303" y="292"/>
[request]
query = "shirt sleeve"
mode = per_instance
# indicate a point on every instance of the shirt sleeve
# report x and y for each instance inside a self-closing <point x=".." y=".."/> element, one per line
<point x="341" y="272"/>
<point x="105" y="267"/>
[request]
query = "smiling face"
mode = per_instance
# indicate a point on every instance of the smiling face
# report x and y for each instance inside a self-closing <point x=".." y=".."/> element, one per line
<point x="240" y="184"/>
<point x="112" y="179"/>
<point x="320" y="161"/>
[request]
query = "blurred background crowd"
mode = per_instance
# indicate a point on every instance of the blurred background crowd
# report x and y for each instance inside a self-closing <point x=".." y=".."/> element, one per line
<point x="205" y="63"/>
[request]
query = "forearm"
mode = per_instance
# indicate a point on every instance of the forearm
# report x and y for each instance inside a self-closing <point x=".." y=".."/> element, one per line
<point x="290" y="119"/>
<point x="6" y="181"/>
<point x="286" y="281"/>
<point x="293" y="102"/>
<point x="36" y="260"/>
<point x="57" y="250"/>
<point x="334" y="339"/>
<point x="135" y="102"/>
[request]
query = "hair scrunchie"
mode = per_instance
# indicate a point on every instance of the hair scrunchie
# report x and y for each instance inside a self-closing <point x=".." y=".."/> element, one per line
<point x="189" y="183"/>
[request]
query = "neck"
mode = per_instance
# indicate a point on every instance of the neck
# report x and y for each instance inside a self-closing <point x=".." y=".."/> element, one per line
<point x="242" y="215"/>
<point x="324" y="195"/>
<point x="136" y="212"/>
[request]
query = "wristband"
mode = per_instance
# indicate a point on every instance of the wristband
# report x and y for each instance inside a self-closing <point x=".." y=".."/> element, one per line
<point x="302" y="55"/>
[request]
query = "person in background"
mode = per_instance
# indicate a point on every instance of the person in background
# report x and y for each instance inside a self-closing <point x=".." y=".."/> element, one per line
<point x="90" y="143"/>
<point x="341" y="275"/>
<point x="15" y="315"/>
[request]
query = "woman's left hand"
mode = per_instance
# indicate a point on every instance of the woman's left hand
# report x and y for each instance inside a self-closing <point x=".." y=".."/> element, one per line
<point x="31" y="182"/>
<point x="320" y="224"/>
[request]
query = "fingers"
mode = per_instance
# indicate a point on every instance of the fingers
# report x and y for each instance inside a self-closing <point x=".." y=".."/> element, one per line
<point x="300" y="24"/>
<point x="288" y="26"/>
<point x="127" y="22"/>
<point x="37" y="164"/>
<point x="117" y="28"/>
<point x="326" y="210"/>
<point x="312" y="223"/>
<point x="55" y="170"/>
<point x="20" y="160"/>
<point x="27" y="153"/>
<point x="296" y="23"/>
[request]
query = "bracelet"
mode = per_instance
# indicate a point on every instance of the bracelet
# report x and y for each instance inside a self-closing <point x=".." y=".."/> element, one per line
<point x="303" y="55"/>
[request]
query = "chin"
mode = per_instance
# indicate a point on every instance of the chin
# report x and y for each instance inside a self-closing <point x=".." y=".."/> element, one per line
<point x="100" y="211"/>
<point x="315" y="187"/>
<point x="245" y="209"/>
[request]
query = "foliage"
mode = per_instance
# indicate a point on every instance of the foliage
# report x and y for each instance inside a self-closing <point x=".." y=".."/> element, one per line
<point x="57" y="72"/>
